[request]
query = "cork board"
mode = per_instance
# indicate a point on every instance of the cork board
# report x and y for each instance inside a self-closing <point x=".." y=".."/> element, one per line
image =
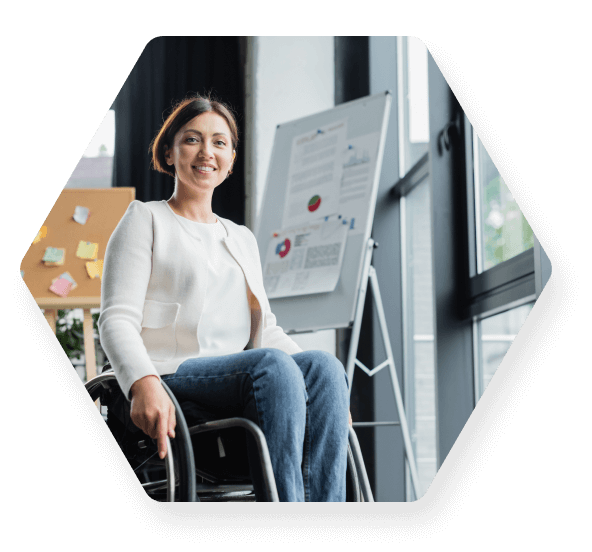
<point x="106" y="206"/>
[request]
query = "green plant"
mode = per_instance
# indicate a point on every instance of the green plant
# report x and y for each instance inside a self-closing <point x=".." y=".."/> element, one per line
<point x="70" y="334"/>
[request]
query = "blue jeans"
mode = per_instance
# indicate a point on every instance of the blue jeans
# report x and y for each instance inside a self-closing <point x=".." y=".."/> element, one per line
<point x="299" y="401"/>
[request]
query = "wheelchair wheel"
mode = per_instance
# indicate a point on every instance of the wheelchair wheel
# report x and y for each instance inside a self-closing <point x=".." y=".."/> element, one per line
<point x="171" y="479"/>
<point x="352" y="485"/>
<point x="174" y="479"/>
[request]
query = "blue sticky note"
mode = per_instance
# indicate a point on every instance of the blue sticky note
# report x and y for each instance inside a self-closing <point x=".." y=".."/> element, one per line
<point x="53" y="255"/>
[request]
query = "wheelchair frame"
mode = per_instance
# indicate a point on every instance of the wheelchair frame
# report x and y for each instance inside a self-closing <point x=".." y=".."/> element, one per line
<point x="180" y="466"/>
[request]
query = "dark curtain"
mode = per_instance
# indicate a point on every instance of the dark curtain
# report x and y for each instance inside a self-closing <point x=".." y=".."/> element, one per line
<point x="169" y="69"/>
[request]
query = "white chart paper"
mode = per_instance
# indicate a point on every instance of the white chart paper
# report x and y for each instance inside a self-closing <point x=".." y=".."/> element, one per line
<point x="305" y="260"/>
<point x="359" y="167"/>
<point x="314" y="176"/>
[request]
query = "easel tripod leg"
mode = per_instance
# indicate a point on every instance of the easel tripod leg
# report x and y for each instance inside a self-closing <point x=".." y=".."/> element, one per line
<point x="395" y="383"/>
<point x="355" y="335"/>
<point x="369" y="274"/>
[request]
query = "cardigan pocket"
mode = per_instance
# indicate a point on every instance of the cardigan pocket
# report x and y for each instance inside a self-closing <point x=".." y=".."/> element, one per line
<point x="159" y="323"/>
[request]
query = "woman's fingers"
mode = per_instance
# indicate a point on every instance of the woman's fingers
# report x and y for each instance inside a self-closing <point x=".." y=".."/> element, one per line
<point x="161" y="435"/>
<point x="172" y="422"/>
<point x="153" y="411"/>
<point x="165" y="425"/>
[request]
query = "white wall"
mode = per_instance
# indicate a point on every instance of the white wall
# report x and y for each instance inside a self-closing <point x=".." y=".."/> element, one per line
<point x="286" y="78"/>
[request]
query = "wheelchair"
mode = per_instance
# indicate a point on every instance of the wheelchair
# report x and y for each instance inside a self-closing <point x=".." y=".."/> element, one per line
<point x="207" y="460"/>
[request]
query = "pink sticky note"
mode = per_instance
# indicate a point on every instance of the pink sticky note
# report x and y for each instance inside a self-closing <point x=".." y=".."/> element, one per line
<point x="61" y="287"/>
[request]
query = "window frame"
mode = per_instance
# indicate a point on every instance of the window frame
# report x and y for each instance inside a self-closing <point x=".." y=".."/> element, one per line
<point x="508" y="285"/>
<point x="457" y="299"/>
<point x="406" y="182"/>
<point x="501" y="287"/>
<point x="400" y="191"/>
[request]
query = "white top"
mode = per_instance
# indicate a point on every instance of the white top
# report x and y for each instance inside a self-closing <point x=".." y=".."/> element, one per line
<point x="225" y="324"/>
<point x="157" y="288"/>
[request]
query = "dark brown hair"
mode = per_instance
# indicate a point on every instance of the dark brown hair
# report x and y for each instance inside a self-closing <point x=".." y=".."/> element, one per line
<point x="182" y="113"/>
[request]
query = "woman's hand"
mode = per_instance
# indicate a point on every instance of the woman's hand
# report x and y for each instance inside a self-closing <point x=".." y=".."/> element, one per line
<point x="153" y="411"/>
<point x="350" y="419"/>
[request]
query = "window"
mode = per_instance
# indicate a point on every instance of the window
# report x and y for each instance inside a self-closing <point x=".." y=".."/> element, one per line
<point x="502" y="263"/>
<point x="501" y="280"/>
<point x="493" y="337"/>
<point x="502" y="273"/>
<point x="412" y="94"/>
<point x="501" y="229"/>
<point x="95" y="168"/>
<point x="463" y="267"/>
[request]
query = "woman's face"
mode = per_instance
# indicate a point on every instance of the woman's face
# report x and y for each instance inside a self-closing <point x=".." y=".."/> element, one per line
<point x="202" y="152"/>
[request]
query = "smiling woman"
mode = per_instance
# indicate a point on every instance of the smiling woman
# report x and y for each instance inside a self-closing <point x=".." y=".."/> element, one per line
<point x="197" y="145"/>
<point x="182" y="299"/>
<point x="183" y="113"/>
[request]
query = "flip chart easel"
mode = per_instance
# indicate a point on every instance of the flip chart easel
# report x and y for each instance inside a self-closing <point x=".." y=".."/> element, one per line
<point x="106" y="207"/>
<point x="366" y="120"/>
<point x="369" y="275"/>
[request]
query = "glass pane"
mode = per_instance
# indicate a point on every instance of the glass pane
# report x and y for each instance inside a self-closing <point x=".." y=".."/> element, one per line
<point x="95" y="168"/>
<point x="501" y="227"/>
<point x="415" y="115"/>
<point x="497" y="334"/>
<point x="419" y="350"/>
<point x="103" y="142"/>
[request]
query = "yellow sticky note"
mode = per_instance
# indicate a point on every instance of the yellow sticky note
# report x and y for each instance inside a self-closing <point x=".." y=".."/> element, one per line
<point x="87" y="250"/>
<point x="95" y="268"/>
<point x="41" y="234"/>
<point x="91" y="268"/>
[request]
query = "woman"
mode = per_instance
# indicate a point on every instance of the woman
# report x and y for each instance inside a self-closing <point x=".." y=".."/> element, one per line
<point x="183" y="300"/>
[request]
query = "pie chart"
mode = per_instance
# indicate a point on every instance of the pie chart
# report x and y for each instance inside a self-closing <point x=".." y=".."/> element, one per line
<point x="283" y="248"/>
<point x="314" y="203"/>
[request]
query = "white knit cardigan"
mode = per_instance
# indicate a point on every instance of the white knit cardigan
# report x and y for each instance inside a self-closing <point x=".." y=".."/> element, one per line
<point x="174" y="289"/>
